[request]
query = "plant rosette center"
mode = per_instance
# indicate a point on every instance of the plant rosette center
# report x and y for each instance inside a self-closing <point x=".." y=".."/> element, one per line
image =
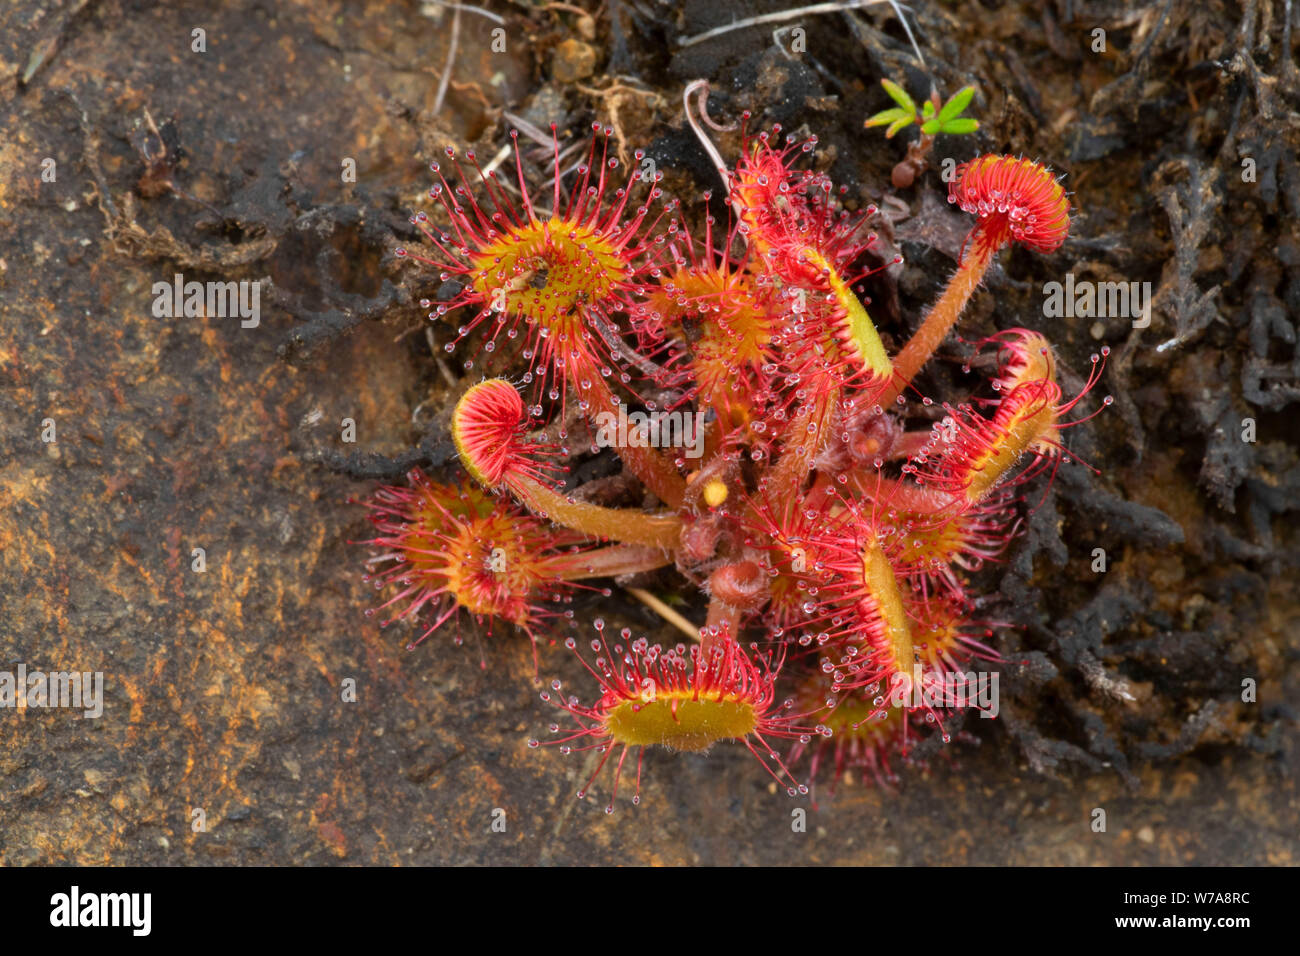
<point x="542" y="270"/>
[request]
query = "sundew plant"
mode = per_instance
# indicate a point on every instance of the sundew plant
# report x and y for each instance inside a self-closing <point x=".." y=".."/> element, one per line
<point x="793" y="474"/>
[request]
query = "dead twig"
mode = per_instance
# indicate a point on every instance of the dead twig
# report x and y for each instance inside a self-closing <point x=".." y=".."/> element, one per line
<point x="428" y="5"/>
<point x="838" y="6"/>
<point x="613" y="97"/>
<point x="1189" y="207"/>
<point x="451" y="61"/>
<point x="700" y="90"/>
<point x="663" y="610"/>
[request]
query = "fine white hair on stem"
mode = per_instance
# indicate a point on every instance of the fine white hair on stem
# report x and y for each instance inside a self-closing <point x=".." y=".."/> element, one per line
<point x="451" y="62"/>
<point x="462" y="6"/>
<point x="835" y="6"/>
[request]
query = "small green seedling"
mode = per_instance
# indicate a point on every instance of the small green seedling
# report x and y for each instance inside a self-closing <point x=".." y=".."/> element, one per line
<point x="932" y="116"/>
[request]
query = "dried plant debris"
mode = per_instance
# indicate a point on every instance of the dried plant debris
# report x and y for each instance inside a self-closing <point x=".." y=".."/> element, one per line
<point x="1186" y="191"/>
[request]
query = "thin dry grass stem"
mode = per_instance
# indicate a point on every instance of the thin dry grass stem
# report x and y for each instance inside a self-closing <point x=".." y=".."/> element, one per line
<point x="613" y="97"/>
<point x="700" y="90"/>
<point x="663" y="610"/>
<point x="839" y="6"/>
<point x="495" y="18"/>
<point x="451" y="62"/>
